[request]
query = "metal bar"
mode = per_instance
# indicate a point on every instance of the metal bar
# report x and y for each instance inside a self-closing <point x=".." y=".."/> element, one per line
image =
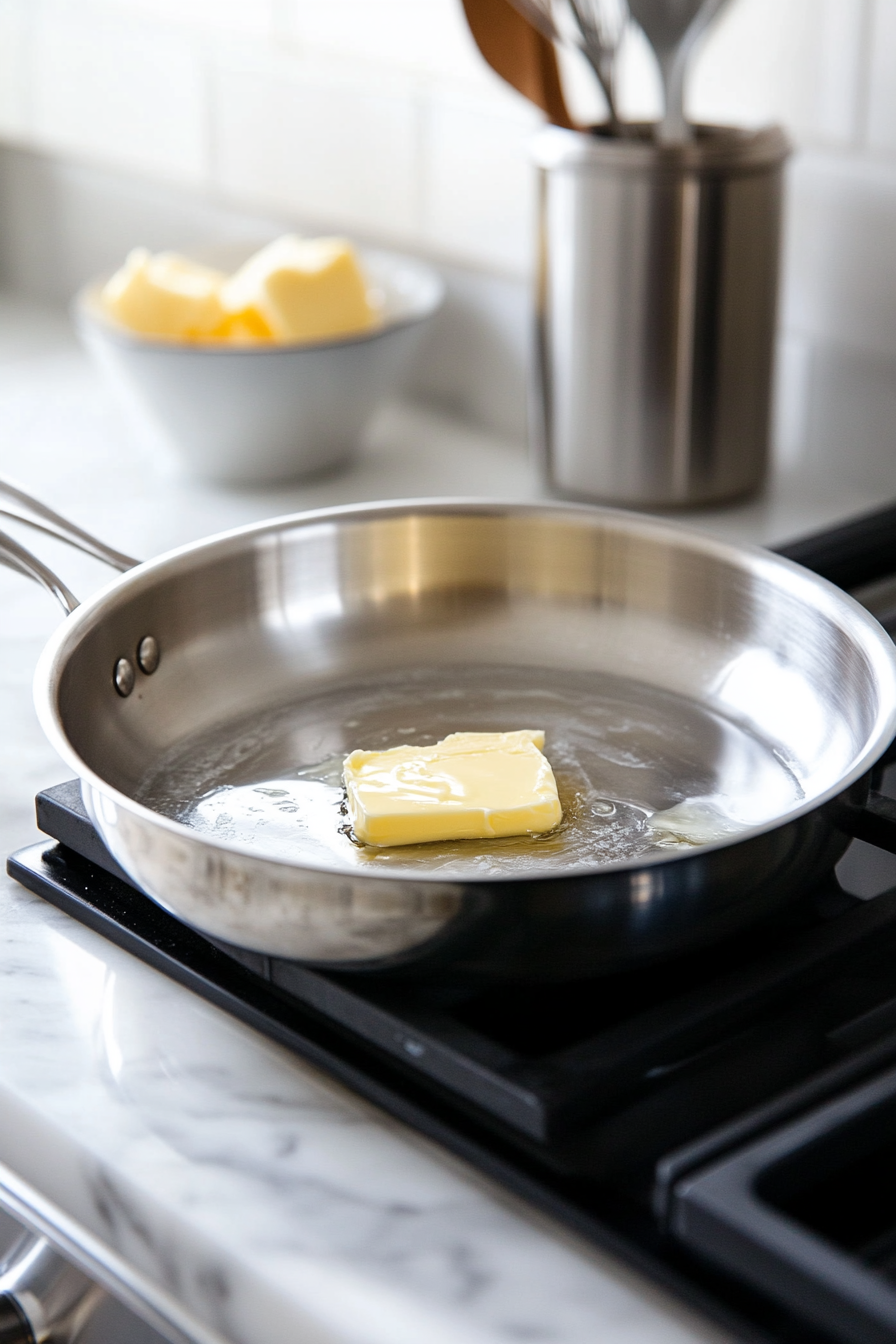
<point x="18" y="504"/>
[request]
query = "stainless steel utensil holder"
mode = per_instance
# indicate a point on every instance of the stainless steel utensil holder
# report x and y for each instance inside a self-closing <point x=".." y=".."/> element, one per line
<point x="656" y="304"/>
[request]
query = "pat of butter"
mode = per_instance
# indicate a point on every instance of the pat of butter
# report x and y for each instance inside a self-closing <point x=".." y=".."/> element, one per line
<point x="303" y="289"/>
<point x="165" y="295"/>
<point x="247" y="327"/>
<point x="469" y="786"/>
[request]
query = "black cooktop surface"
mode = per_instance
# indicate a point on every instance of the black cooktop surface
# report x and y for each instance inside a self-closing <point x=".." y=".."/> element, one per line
<point x="598" y="1101"/>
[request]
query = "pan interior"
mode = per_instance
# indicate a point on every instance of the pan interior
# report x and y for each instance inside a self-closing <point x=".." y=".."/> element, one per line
<point x="624" y="753"/>
<point x="667" y="673"/>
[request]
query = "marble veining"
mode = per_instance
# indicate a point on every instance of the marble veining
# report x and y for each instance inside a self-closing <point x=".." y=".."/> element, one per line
<point x="257" y="1192"/>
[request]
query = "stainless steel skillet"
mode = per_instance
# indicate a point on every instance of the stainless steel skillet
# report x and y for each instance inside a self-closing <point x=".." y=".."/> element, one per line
<point x="690" y="668"/>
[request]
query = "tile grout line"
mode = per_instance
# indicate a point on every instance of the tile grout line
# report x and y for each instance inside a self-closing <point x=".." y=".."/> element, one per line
<point x="862" y="109"/>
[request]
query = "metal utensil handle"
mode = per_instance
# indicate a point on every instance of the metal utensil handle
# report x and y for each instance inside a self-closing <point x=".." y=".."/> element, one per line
<point x="42" y="1296"/>
<point x="673" y="127"/>
<point x="601" y="56"/>
<point x="538" y="13"/>
<point x="16" y="503"/>
<point x="673" y="44"/>
<point x="17" y="557"/>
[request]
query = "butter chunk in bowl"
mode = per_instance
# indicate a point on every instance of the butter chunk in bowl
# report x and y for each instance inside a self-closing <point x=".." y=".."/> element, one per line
<point x="267" y="371"/>
<point x="166" y="295"/>
<point x="293" y="290"/>
<point x="303" y="289"/>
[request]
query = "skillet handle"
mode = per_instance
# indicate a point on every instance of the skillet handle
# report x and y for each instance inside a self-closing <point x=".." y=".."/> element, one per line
<point x="22" y="561"/>
<point x="15" y="503"/>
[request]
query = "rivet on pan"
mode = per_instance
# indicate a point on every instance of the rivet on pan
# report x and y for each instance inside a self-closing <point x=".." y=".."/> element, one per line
<point x="148" y="654"/>
<point x="124" y="676"/>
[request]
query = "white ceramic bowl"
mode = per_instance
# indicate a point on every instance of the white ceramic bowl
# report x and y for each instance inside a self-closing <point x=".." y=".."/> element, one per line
<point x="256" y="415"/>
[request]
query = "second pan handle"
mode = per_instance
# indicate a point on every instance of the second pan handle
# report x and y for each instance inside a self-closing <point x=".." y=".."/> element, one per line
<point x="17" y="557"/>
<point x="16" y="503"/>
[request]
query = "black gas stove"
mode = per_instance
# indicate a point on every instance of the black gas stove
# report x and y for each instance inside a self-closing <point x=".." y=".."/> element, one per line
<point x="726" y="1122"/>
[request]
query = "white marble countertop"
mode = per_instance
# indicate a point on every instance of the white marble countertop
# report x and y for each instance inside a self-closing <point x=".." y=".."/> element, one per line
<point x="244" y="1195"/>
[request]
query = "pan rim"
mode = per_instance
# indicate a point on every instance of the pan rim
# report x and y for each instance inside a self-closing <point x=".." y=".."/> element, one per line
<point x="877" y="645"/>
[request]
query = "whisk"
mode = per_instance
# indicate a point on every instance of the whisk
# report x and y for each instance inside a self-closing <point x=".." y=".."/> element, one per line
<point x="596" y="27"/>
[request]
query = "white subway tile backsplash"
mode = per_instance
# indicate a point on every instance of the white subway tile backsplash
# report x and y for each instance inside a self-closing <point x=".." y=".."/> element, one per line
<point x="880" y="128"/>
<point x="474" y="358"/>
<point x="117" y="92"/>
<point x="839" y="259"/>
<point x="835" y="91"/>
<point x="305" y="136"/>
<point x="851" y="412"/>
<point x="478" y="180"/>
<point x="63" y="222"/>
<point x="429" y="36"/>
<point x="221" y="16"/>
<point x="798" y="62"/>
<point x="15" y="33"/>
<point x="380" y="117"/>
<point x="790" y="408"/>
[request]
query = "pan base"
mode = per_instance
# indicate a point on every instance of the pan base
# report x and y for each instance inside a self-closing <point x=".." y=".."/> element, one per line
<point x="621" y="751"/>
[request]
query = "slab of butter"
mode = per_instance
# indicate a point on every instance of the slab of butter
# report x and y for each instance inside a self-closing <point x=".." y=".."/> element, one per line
<point x="469" y="786"/>
<point x="303" y="289"/>
<point x="166" y="295"/>
<point x="295" y="289"/>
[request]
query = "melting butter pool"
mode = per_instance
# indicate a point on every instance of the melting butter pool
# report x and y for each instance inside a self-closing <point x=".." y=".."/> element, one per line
<point x="639" y="771"/>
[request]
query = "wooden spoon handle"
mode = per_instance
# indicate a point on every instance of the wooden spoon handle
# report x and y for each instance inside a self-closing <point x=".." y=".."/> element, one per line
<point x="519" y="54"/>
